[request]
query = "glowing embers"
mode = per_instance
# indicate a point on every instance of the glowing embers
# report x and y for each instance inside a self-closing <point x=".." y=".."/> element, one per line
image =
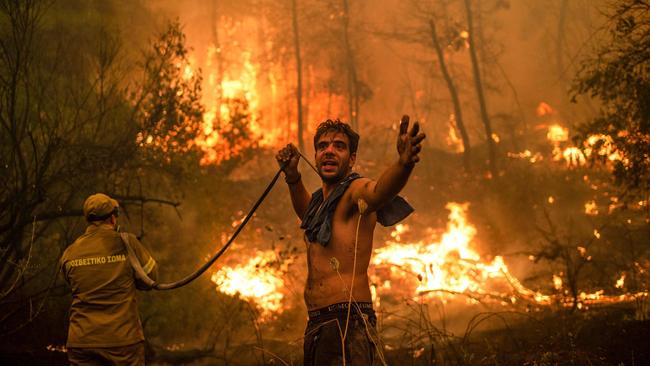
<point x="571" y="155"/>
<point x="557" y="282"/>
<point x="544" y="109"/>
<point x="594" y="146"/>
<point x="257" y="280"/>
<point x="56" y="348"/>
<point x="527" y="155"/>
<point x="446" y="267"/>
<point x="603" y="145"/>
<point x="557" y="133"/>
<point x="398" y="231"/>
<point x="591" y="208"/>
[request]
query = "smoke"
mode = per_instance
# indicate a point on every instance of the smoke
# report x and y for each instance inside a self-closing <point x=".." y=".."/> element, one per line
<point x="528" y="53"/>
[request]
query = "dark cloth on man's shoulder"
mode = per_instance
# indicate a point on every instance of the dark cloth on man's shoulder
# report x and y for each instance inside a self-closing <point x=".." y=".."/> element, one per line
<point x="317" y="221"/>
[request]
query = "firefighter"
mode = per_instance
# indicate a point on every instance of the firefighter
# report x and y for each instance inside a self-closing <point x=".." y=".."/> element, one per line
<point x="105" y="327"/>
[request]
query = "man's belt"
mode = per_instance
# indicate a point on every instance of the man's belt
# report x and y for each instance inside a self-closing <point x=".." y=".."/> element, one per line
<point x="339" y="308"/>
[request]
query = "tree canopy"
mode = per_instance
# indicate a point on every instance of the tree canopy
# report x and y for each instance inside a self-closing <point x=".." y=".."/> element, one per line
<point x="618" y="75"/>
<point x="69" y="128"/>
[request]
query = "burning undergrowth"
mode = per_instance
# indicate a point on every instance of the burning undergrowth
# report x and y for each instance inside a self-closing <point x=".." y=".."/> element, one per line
<point x="453" y="263"/>
<point x="445" y="266"/>
<point x="547" y="237"/>
<point x="259" y="280"/>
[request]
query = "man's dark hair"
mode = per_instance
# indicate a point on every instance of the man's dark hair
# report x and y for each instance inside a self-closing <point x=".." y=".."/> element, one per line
<point x="338" y="126"/>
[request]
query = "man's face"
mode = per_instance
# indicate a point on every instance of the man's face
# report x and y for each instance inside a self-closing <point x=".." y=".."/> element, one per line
<point x="333" y="158"/>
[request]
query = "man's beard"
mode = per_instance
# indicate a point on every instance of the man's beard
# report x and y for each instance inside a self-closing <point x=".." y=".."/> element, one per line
<point x="340" y="175"/>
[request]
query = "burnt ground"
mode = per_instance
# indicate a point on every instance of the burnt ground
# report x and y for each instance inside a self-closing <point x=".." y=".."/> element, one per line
<point x="607" y="336"/>
<point x="602" y="337"/>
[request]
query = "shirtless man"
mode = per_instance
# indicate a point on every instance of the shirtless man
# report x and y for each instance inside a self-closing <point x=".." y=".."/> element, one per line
<point x="339" y="220"/>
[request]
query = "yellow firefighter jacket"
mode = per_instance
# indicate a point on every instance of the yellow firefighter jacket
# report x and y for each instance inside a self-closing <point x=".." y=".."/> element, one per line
<point x="104" y="311"/>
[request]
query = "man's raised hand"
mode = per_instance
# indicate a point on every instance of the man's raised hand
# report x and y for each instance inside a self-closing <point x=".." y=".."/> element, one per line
<point x="288" y="158"/>
<point x="409" y="142"/>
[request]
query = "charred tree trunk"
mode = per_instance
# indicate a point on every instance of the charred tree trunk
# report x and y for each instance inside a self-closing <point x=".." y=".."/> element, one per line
<point x="458" y="115"/>
<point x="296" y="46"/>
<point x="479" y="92"/>
<point x="307" y="93"/>
<point x="214" y="17"/>
<point x="353" y="83"/>
<point x="559" y="45"/>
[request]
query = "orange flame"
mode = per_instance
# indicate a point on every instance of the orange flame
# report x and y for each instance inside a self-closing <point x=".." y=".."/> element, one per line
<point x="557" y="133"/>
<point x="452" y="138"/>
<point x="543" y="109"/>
<point x="256" y="281"/>
<point x="573" y="157"/>
<point x="240" y="78"/>
<point x="603" y="145"/>
<point x="450" y="266"/>
<point x="445" y="266"/>
<point x="591" y="208"/>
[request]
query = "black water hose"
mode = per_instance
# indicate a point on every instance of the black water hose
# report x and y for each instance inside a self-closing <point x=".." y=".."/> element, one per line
<point x="141" y="274"/>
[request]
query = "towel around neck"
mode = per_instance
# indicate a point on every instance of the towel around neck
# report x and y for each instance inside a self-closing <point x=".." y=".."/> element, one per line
<point x="317" y="221"/>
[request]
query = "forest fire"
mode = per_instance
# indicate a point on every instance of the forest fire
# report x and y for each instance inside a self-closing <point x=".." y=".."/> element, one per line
<point x="255" y="280"/>
<point x="595" y="145"/>
<point x="447" y="267"/>
<point x="444" y="266"/>
<point x="450" y="266"/>
<point x="249" y="98"/>
<point x="529" y="245"/>
<point x="557" y="133"/>
<point x="452" y="137"/>
<point x="231" y="98"/>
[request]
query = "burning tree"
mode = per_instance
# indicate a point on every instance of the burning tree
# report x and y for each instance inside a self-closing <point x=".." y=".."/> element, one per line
<point x="169" y="107"/>
<point x="458" y="36"/>
<point x="618" y="75"/>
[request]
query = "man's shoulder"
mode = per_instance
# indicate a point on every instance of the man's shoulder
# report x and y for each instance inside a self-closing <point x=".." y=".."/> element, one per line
<point x="71" y="251"/>
<point x="89" y="238"/>
<point x="74" y="251"/>
<point x="358" y="183"/>
<point x="66" y="254"/>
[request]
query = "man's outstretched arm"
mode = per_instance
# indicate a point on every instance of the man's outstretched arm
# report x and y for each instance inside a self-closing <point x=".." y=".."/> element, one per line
<point x="394" y="178"/>
<point x="288" y="158"/>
